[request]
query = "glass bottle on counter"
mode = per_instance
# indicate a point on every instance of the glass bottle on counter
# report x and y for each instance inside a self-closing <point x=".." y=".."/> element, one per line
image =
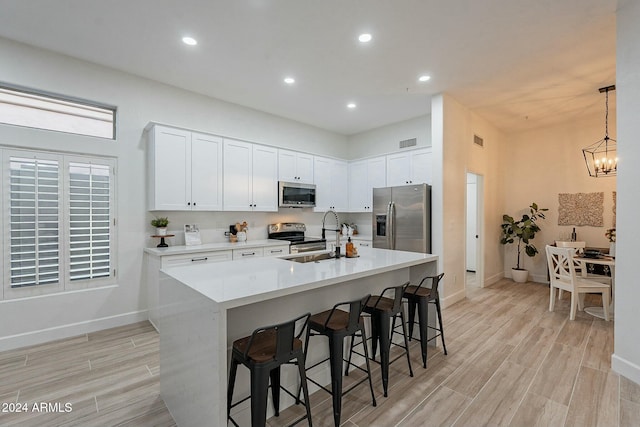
<point x="349" y="248"/>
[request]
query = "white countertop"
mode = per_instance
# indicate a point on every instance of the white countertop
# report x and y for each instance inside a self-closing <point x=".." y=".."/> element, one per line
<point x="242" y="282"/>
<point x="179" y="250"/>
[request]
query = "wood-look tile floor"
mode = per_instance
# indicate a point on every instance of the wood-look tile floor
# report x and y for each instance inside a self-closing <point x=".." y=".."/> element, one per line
<point x="510" y="363"/>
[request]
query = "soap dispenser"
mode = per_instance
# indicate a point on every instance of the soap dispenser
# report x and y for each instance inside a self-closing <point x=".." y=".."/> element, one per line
<point x="349" y="248"/>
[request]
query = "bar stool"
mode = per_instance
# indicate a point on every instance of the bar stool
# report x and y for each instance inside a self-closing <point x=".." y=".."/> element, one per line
<point x="264" y="352"/>
<point x="336" y="325"/>
<point x="421" y="296"/>
<point x="384" y="310"/>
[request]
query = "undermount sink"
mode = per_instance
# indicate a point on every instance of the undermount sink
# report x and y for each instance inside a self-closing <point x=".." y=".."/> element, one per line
<point x="310" y="258"/>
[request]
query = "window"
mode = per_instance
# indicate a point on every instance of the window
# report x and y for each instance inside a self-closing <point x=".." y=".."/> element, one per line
<point x="59" y="212"/>
<point x="25" y="107"/>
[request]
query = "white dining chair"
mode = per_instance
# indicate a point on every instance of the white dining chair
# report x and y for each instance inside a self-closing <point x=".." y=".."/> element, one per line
<point x="562" y="273"/>
<point x="582" y="269"/>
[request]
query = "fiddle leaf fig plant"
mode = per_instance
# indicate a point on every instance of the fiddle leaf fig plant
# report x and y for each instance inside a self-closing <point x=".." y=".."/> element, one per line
<point x="522" y="231"/>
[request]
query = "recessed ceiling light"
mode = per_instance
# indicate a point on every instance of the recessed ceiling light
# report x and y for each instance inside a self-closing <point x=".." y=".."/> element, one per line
<point x="424" y="78"/>
<point x="189" y="40"/>
<point x="289" y="80"/>
<point x="364" y="38"/>
<point x="351" y="105"/>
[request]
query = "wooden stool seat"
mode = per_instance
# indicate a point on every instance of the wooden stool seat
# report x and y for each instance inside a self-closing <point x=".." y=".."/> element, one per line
<point x="380" y="304"/>
<point x="263" y="347"/>
<point x="336" y="325"/>
<point x="418" y="298"/>
<point x="263" y="353"/>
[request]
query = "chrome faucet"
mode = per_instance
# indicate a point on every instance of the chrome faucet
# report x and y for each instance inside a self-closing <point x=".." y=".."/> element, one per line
<point x="337" y="230"/>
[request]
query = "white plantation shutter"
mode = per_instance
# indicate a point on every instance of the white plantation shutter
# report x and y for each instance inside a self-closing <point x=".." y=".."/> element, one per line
<point x="34" y="205"/>
<point x="90" y="213"/>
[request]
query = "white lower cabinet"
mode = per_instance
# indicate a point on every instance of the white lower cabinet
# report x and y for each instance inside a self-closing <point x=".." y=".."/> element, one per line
<point x="362" y="243"/>
<point x="248" y="253"/>
<point x="156" y="263"/>
<point x="276" y="250"/>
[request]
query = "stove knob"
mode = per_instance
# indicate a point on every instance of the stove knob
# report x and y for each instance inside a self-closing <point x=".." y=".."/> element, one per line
<point x="273" y="228"/>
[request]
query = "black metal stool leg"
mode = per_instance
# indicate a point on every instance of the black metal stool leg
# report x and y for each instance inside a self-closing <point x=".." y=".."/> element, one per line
<point x="437" y="302"/>
<point x="406" y="341"/>
<point x="412" y="316"/>
<point x="383" y="320"/>
<point x="232" y="382"/>
<point x="259" y="391"/>
<point x="366" y="359"/>
<point x="275" y="389"/>
<point x="423" y="315"/>
<point x="336" y="348"/>
<point x="305" y="388"/>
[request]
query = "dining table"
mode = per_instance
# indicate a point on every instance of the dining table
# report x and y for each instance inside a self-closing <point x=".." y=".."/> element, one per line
<point x="609" y="262"/>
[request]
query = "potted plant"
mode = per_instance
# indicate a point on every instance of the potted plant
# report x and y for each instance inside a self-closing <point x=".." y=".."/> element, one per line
<point x="160" y="223"/>
<point x="522" y="231"/>
<point x="611" y="235"/>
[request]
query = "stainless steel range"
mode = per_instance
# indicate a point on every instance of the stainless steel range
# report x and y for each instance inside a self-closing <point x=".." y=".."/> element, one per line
<point x="294" y="233"/>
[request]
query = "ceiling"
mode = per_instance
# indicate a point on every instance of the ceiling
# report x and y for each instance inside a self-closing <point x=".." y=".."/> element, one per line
<point x="519" y="64"/>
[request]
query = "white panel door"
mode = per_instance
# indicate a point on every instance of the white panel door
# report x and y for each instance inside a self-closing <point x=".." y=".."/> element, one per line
<point x="322" y="170"/>
<point x="304" y="167"/>
<point x="358" y="184"/>
<point x="206" y="172"/>
<point x="287" y="166"/>
<point x="265" y="179"/>
<point x="421" y="167"/>
<point x="237" y="193"/>
<point x="398" y="169"/>
<point x="339" y="186"/>
<point x="171" y="164"/>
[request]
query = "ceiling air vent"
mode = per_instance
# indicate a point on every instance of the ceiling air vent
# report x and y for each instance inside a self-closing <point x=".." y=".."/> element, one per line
<point x="408" y="143"/>
<point x="478" y="141"/>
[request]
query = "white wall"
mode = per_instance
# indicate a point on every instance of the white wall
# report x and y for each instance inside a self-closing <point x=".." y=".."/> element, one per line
<point x="455" y="154"/>
<point x="386" y="139"/>
<point x="139" y="101"/>
<point x="544" y="162"/>
<point x="626" y="358"/>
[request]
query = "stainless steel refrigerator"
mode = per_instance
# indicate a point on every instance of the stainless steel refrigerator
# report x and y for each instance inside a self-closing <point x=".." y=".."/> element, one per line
<point x="402" y="218"/>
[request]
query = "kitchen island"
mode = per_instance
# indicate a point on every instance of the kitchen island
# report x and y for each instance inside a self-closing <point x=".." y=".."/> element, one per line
<point x="204" y="308"/>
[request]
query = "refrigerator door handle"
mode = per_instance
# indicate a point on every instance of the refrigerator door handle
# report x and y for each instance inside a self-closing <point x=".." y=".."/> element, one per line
<point x="387" y="226"/>
<point x="392" y="224"/>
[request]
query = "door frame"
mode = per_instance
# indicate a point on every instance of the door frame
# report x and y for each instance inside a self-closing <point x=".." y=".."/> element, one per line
<point x="479" y="227"/>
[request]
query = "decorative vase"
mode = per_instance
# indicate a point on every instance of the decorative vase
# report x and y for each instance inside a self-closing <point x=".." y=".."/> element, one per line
<point x="519" y="276"/>
<point x="161" y="231"/>
<point x="612" y="249"/>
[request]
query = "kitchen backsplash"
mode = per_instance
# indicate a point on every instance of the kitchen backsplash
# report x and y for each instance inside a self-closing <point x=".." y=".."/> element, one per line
<point x="213" y="225"/>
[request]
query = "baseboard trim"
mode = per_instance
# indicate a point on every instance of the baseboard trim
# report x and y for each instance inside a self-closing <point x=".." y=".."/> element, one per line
<point x="41" y="336"/>
<point x="493" y="279"/>
<point x="625" y="368"/>
<point x="452" y="299"/>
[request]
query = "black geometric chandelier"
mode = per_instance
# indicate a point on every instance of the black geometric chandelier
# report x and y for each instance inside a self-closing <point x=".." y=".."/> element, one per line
<point x="601" y="157"/>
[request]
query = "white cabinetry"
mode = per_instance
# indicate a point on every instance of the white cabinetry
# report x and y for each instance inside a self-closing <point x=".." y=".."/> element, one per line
<point x="185" y="170"/>
<point x="295" y="167"/>
<point x="276" y="250"/>
<point x="412" y="167"/>
<point x="364" y="176"/>
<point x="155" y="263"/>
<point x="331" y="178"/>
<point x="250" y="177"/>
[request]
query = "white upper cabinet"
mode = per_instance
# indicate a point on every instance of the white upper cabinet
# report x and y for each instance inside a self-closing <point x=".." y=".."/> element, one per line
<point x="295" y="167"/>
<point x="331" y="179"/>
<point x="250" y="177"/>
<point x="364" y="176"/>
<point x="185" y="170"/>
<point x="411" y="167"/>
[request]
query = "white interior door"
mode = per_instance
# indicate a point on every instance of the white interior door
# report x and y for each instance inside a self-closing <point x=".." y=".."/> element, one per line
<point x="472" y="226"/>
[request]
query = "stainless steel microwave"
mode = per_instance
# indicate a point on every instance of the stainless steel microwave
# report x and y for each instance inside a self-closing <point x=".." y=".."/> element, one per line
<point x="296" y="195"/>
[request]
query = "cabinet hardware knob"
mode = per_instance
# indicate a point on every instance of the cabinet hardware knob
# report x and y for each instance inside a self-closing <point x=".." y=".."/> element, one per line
<point x="189" y="204"/>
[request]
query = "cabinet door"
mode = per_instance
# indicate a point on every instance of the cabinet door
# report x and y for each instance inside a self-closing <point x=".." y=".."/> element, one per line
<point x="322" y="170"/>
<point x="169" y="164"/>
<point x="265" y="179"/>
<point x="377" y="178"/>
<point x="358" y="184"/>
<point x="304" y="168"/>
<point x="421" y="167"/>
<point x="206" y="172"/>
<point x="339" y="186"/>
<point x="248" y="253"/>
<point x="276" y="250"/>
<point x="398" y="169"/>
<point x="287" y="166"/>
<point x="237" y="176"/>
